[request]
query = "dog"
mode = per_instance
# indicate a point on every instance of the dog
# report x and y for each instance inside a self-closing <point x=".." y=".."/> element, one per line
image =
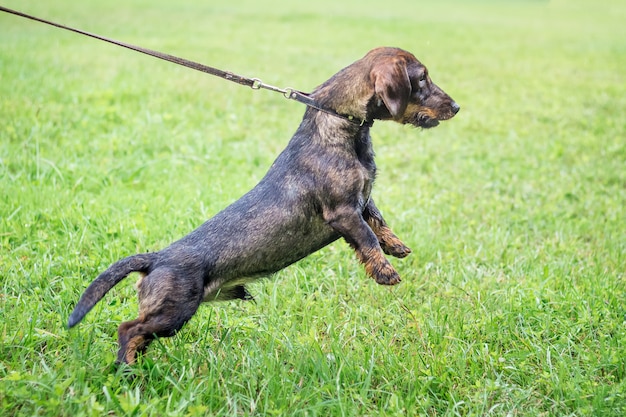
<point x="317" y="190"/>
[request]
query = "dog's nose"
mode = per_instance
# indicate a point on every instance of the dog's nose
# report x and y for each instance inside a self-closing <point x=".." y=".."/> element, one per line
<point x="455" y="107"/>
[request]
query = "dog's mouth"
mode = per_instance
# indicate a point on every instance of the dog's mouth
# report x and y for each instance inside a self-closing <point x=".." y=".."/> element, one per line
<point x="425" y="121"/>
<point x="423" y="117"/>
<point x="428" y="118"/>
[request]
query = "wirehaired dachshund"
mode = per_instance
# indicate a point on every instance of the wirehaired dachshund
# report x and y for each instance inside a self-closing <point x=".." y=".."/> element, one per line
<point x="317" y="190"/>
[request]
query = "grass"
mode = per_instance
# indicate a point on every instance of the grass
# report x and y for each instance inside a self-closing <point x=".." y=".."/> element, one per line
<point x="513" y="302"/>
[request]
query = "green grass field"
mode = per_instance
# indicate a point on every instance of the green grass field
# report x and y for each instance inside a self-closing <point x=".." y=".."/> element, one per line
<point x="512" y="304"/>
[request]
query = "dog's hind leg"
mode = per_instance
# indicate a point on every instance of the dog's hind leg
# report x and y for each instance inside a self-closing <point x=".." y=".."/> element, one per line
<point x="352" y="227"/>
<point x="166" y="303"/>
<point x="389" y="242"/>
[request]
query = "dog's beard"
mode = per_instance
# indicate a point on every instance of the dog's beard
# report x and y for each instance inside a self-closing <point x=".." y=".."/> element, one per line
<point x="425" y="121"/>
<point x="422" y="120"/>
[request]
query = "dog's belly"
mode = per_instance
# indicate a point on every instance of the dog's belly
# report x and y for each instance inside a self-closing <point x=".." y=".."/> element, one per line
<point x="268" y="245"/>
<point x="251" y="241"/>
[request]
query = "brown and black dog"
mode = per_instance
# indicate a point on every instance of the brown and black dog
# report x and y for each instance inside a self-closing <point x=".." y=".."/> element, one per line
<point x="317" y="191"/>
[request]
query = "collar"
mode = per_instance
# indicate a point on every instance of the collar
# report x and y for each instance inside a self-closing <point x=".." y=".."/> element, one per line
<point x="306" y="99"/>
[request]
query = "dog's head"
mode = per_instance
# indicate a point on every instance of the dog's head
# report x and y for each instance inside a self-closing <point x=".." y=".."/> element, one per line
<point x="403" y="91"/>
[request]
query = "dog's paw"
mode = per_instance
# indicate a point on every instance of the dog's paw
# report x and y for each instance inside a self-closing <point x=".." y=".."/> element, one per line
<point x="396" y="248"/>
<point x="390" y="244"/>
<point x="386" y="275"/>
<point x="378" y="267"/>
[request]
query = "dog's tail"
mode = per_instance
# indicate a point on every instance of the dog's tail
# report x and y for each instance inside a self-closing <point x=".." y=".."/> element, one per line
<point x="107" y="280"/>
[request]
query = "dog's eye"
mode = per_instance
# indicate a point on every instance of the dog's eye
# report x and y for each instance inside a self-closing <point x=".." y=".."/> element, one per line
<point x="422" y="80"/>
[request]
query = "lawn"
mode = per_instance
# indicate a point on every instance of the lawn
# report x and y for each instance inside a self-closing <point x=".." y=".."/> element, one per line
<point x="513" y="302"/>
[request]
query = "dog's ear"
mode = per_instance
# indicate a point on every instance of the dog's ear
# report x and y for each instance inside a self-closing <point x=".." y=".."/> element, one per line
<point x="392" y="85"/>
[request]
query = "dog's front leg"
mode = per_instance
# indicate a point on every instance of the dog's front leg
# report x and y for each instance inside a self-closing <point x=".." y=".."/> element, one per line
<point x="349" y="223"/>
<point x="389" y="242"/>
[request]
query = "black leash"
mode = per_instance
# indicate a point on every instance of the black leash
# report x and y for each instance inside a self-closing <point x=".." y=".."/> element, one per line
<point x="253" y="83"/>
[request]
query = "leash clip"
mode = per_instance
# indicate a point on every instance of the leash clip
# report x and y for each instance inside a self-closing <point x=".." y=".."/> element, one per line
<point x="256" y="84"/>
<point x="289" y="93"/>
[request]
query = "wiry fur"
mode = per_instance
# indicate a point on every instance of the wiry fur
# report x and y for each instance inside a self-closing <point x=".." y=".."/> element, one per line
<point x="317" y="191"/>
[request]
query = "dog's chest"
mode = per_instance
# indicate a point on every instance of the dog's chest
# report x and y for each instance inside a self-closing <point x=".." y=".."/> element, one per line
<point x="365" y="155"/>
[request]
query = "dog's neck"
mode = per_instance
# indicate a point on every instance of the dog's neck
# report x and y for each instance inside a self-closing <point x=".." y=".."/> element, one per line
<point x="345" y="131"/>
<point x="344" y="96"/>
<point x="313" y="103"/>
